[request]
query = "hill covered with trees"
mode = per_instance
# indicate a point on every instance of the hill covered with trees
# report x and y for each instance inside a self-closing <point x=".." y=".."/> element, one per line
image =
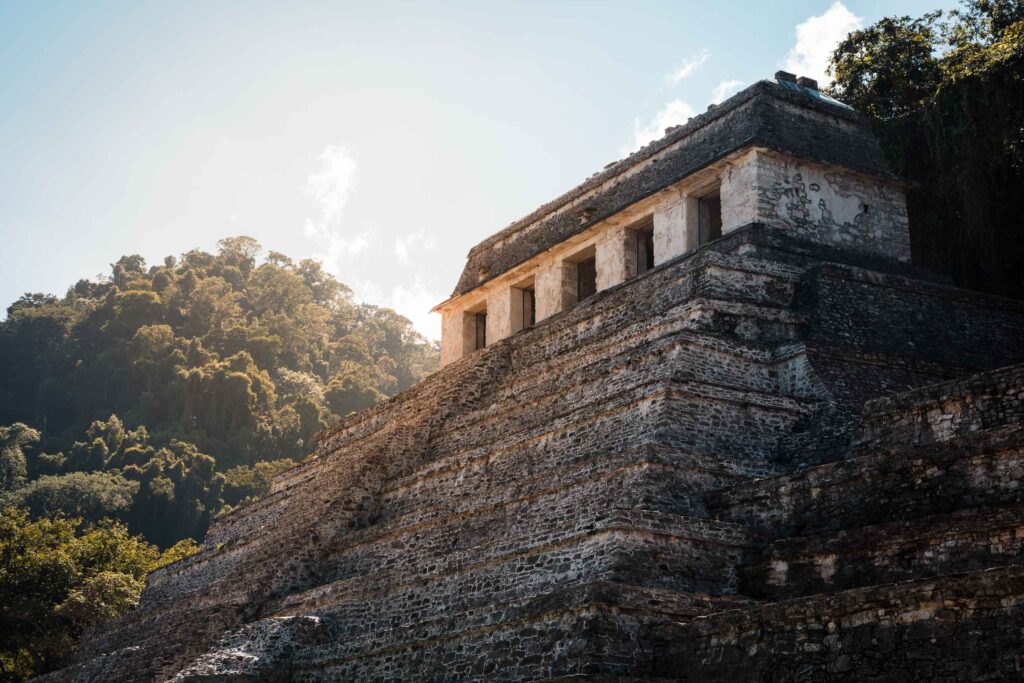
<point x="138" y="406"/>
<point x="160" y="394"/>
<point x="247" y="360"/>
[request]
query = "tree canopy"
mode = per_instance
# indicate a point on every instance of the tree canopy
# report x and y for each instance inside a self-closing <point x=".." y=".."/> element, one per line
<point x="57" y="578"/>
<point x="945" y="93"/>
<point x="142" y="404"/>
<point x="246" y="359"/>
<point x="159" y="396"/>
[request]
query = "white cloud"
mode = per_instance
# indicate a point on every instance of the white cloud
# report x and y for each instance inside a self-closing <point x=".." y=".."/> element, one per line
<point x="817" y="37"/>
<point x="414" y="302"/>
<point x="406" y="245"/>
<point x="724" y="90"/>
<point x="674" y="113"/>
<point x="331" y="186"/>
<point x="330" y="189"/>
<point x="687" y="67"/>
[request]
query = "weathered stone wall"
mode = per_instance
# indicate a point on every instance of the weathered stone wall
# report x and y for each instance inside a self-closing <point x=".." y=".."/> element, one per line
<point x="540" y="508"/>
<point x="817" y="203"/>
<point x="764" y="115"/>
<point x="980" y="469"/>
<point x="941" y="412"/>
<point x="965" y="540"/>
<point x="906" y="560"/>
<point x="957" y="628"/>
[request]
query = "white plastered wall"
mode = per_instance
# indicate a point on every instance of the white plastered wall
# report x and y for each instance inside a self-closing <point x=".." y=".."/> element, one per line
<point x="825" y="204"/>
<point x="815" y="202"/>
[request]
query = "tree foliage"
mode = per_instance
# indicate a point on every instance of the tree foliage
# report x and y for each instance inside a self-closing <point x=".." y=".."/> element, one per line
<point x="13" y="464"/>
<point x="150" y="386"/>
<point x="58" y="578"/>
<point x="247" y="360"/>
<point x="157" y="398"/>
<point x="243" y="483"/>
<point x="946" y="97"/>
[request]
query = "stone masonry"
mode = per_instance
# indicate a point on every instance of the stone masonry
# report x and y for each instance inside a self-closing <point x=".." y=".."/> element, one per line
<point x="784" y="454"/>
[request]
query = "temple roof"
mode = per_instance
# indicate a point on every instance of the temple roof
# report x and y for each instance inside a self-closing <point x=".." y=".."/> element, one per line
<point x="776" y="115"/>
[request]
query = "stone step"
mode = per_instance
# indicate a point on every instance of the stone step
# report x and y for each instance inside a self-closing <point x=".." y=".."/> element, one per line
<point x="668" y="414"/>
<point x="977" y="470"/>
<point x="635" y="367"/>
<point x="747" y="281"/>
<point x="963" y="541"/>
<point x="963" y="627"/>
<point x="404" y="580"/>
<point x="588" y="629"/>
<point x="944" y="411"/>
<point x="185" y="629"/>
<point x="911" y="319"/>
<point x="673" y="321"/>
<point x="556" y="520"/>
<point x="440" y="396"/>
<point x="662" y="477"/>
<point x="664" y="348"/>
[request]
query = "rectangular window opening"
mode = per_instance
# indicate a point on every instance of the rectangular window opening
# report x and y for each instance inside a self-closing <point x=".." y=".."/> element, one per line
<point x="586" y="278"/>
<point x="529" y="307"/>
<point x="645" y="247"/>
<point x="710" y="214"/>
<point x="480" y="322"/>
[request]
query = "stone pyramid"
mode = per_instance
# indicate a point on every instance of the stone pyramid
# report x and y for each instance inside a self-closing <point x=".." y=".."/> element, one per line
<point x="782" y="453"/>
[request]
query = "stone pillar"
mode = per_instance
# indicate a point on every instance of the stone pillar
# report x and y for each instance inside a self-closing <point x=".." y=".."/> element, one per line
<point x="504" y="313"/>
<point x="691" y="222"/>
<point x="615" y="257"/>
<point x="675" y="227"/>
<point x="458" y="335"/>
<point x="556" y="288"/>
<point x="740" y="194"/>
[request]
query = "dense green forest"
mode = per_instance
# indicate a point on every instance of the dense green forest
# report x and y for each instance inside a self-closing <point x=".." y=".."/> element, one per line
<point x="946" y="96"/>
<point x="139" y="406"/>
<point x="160" y="394"/>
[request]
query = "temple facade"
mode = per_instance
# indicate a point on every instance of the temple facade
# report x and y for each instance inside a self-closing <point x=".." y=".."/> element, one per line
<point x="779" y="154"/>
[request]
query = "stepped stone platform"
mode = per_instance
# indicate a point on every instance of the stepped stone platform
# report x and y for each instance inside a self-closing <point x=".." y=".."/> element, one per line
<point x="766" y="458"/>
<point x="615" y="493"/>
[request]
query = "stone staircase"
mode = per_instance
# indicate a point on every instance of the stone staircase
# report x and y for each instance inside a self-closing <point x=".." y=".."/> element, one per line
<point x="568" y="507"/>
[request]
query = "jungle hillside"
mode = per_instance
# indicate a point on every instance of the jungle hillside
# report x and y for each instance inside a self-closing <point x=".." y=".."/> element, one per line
<point x="139" y="405"/>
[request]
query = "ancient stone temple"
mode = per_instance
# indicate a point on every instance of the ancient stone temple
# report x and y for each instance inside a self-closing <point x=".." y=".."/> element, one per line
<point x="699" y="419"/>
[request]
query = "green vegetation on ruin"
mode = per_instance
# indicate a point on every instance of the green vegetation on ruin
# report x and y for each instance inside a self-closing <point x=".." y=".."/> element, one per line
<point x="946" y="97"/>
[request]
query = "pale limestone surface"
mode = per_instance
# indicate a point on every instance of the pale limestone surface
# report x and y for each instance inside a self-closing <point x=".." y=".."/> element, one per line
<point x="822" y="204"/>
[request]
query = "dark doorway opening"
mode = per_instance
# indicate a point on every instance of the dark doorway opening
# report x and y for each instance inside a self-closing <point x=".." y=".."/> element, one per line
<point x="529" y="307"/>
<point x="480" y="322"/>
<point x="645" y="248"/>
<point x="710" y="214"/>
<point x="586" y="278"/>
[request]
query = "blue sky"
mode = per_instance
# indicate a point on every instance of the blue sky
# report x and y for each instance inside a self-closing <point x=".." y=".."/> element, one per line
<point x="385" y="138"/>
